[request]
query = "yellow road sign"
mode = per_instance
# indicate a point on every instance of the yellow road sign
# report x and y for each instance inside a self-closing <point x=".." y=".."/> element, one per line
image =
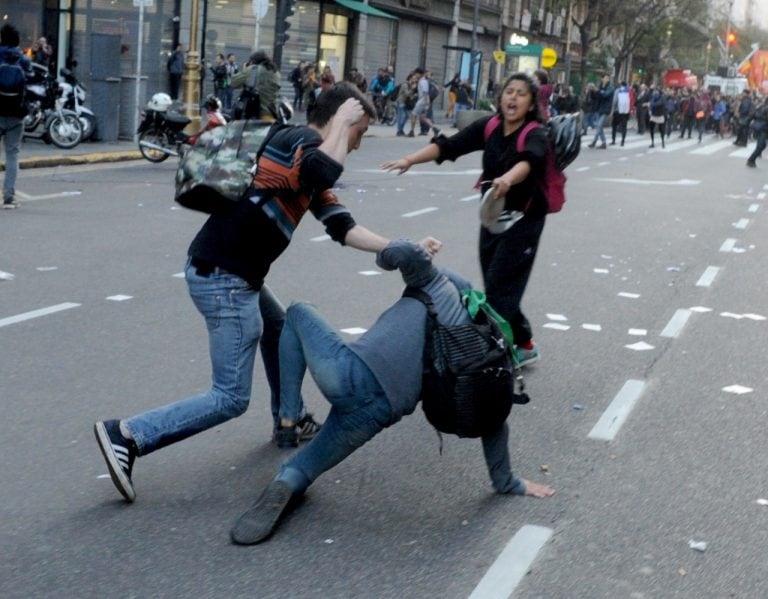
<point x="548" y="57"/>
<point x="499" y="56"/>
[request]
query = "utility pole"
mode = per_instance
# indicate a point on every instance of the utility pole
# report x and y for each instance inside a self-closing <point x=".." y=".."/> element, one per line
<point x="191" y="76"/>
<point x="473" y="50"/>
<point x="568" y="33"/>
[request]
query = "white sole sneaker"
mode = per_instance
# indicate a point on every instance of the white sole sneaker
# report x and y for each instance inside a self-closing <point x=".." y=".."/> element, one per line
<point x="116" y="472"/>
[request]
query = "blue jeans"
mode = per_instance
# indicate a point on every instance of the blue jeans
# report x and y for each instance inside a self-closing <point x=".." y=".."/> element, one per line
<point x="11" y="130"/>
<point x="235" y="316"/>
<point x="403" y="114"/>
<point x="761" y="141"/>
<point x="599" y="133"/>
<point x="359" y="408"/>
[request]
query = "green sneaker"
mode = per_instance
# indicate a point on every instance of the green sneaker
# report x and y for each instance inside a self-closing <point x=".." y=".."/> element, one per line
<point x="527" y="356"/>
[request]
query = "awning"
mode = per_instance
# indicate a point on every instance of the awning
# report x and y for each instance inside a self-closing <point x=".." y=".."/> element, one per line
<point x="364" y="8"/>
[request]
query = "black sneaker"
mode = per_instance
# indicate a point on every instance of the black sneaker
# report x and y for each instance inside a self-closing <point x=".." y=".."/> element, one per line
<point x="261" y="520"/>
<point x="307" y="427"/>
<point x="10" y="204"/>
<point x="119" y="453"/>
<point x="286" y="437"/>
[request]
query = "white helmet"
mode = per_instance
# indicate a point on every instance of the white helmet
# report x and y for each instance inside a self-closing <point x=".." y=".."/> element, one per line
<point x="160" y="102"/>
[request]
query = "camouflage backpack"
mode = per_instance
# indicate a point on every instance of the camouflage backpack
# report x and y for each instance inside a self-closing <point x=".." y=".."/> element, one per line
<point x="218" y="169"/>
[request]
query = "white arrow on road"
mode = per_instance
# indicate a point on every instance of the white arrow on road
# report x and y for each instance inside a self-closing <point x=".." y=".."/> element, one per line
<point x="685" y="182"/>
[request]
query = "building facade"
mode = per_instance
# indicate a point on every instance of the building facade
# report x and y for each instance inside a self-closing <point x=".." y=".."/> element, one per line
<point x="116" y="45"/>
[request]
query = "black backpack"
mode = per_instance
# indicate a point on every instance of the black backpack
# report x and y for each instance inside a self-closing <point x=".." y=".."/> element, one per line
<point x="434" y="91"/>
<point x="12" y="89"/>
<point x="469" y="382"/>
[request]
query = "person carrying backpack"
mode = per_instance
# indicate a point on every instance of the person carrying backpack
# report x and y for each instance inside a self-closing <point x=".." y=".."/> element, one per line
<point x="506" y="258"/>
<point x="14" y="69"/>
<point x="371" y="383"/>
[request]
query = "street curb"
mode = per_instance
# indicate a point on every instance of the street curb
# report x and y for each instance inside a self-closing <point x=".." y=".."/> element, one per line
<point x="62" y="160"/>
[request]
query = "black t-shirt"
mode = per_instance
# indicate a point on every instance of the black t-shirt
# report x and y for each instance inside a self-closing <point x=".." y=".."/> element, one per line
<point x="499" y="156"/>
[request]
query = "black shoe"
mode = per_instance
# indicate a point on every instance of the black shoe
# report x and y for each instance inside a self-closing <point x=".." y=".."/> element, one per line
<point x="751" y="164"/>
<point x="652" y="146"/>
<point x="307" y="427"/>
<point x="286" y="437"/>
<point x="119" y="453"/>
<point x="10" y="204"/>
<point x="592" y="145"/>
<point x="401" y="133"/>
<point x="613" y="143"/>
<point x="410" y="134"/>
<point x="260" y="521"/>
<point x="602" y="147"/>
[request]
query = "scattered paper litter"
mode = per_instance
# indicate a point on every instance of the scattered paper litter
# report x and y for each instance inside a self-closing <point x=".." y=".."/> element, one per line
<point x="673" y="269"/>
<point x="119" y="298"/>
<point x="637" y="332"/>
<point x="731" y="315"/>
<point x="762" y="501"/>
<point x="6" y="276"/>
<point x="557" y="326"/>
<point x="700" y="309"/>
<point x="370" y="273"/>
<point x="328" y="541"/>
<point x="697" y="545"/>
<point x="46" y="268"/>
<point x="628" y="295"/>
<point x="600" y="271"/>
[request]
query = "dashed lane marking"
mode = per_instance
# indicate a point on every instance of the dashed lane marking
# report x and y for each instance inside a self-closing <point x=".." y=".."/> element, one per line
<point x="708" y="276"/>
<point x="513" y="563"/>
<point x="618" y="411"/>
<point x="676" y="323"/>
<point x="419" y="212"/>
<point x="728" y="245"/>
<point x="37" y="313"/>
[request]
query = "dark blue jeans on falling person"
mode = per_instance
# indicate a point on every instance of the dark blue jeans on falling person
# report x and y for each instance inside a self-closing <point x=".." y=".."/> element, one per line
<point x="359" y="407"/>
<point x="762" y="135"/>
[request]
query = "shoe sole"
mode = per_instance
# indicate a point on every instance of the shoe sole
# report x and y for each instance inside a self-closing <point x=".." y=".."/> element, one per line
<point x="529" y="361"/>
<point x="259" y="522"/>
<point x="120" y="480"/>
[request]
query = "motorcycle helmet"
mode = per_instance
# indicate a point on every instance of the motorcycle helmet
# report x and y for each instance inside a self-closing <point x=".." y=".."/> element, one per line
<point x="212" y="104"/>
<point x="566" y="131"/>
<point x="160" y="102"/>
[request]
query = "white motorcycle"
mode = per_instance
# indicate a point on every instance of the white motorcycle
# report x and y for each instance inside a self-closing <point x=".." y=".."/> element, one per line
<point x="73" y="96"/>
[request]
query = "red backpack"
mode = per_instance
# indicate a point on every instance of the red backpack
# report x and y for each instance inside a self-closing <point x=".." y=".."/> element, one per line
<point x="552" y="184"/>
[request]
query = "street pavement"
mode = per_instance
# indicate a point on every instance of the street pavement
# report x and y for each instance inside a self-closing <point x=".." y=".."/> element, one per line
<point x="647" y="414"/>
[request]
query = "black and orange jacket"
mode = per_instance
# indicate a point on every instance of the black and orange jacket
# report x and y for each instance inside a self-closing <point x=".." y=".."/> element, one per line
<point x="293" y="177"/>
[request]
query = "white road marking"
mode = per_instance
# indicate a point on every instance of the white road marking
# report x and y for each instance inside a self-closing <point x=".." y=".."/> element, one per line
<point x="513" y="563"/>
<point x="47" y="268"/>
<point x="471" y="198"/>
<point x="419" y="212"/>
<point x="321" y="238"/>
<point x="640" y="346"/>
<point x="618" y="411"/>
<point x="7" y="276"/>
<point x="559" y="317"/>
<point x="581" y="169"/>
<point x="712" y="148"/>
<point x="591" y="327"/>
<point x="604" y="163"/>
<point x="731" y="315"/>
<point x="676" y="323"/>
<point x="37" y="313"/>
<point x="119" y="298"/>
<point x="742" y="223"/>
<point x="628" y="295"/>
<point x="637" y="332"/>
<point x="728" y="245"/>
<point x="708" y="276"/>
<point x="742" y="153"/>
<point x="62" y="194"/>
<point x="753" y="208"/>
<point x="557" y="326"/>
<point x="701" y="309"/>
<point x="370" y="273"/>
<point x="737" y="389"/>
<point x="755" y="316"/>
<point x="600" y="271"/>
<point x="680" y="182"/>
<point x="354" y="331"/>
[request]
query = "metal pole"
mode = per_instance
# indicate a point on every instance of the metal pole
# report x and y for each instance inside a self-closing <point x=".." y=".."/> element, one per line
<point x="473" y="50"/>
<point x="139" y="43"/>
<point x="191" y="77"/>
<point x="569" y="33"/>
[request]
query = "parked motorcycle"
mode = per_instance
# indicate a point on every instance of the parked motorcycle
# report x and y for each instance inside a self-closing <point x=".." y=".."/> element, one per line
<point x="161" y="130"/>
<point x="73" y="95"/>
<point x="47" y="119"/>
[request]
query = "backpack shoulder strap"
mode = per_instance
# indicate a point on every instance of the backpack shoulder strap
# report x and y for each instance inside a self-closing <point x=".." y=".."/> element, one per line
<point x="423" y="297"/>
<point x="491" y="126"/>
<point x="527" y="128"/>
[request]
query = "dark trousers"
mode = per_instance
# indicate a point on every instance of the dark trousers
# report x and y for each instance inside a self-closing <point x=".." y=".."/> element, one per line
<point x="619" y="124"/>
<point x="506" y="261"/>
<point x="175" y="81"/>
<point x="688" y="121"/>
<point x="761" y="141"/>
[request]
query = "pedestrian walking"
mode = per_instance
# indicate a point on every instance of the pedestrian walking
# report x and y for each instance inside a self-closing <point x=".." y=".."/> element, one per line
<point x="227" y="262"/>
<point x="759" y="126"/>
<point x="14" y="70"/>
<point x="622" y="107"/>
<point x="370" y="383"/>
<point x="604" y="104"/>
<point x="506" y="258"/>
<point x="423" y="103"/>
<point x="657" y="107"/>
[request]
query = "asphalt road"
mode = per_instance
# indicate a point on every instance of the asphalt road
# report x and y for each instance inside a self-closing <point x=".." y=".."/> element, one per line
<point x="648" y="409"/>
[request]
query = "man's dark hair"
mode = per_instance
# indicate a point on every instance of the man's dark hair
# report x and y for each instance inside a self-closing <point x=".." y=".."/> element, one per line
<point x="262" y="58"/>
<point x="9" y="36"/>
<point x="329" y="100"/>
<point x="418" y="70"/>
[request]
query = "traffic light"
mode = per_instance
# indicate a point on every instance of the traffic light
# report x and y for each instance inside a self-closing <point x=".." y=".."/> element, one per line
<point x="285" y="10"/>
<point x="731" y="39"/>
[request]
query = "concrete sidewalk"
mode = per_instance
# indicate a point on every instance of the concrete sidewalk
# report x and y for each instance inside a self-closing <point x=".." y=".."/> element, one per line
<point x="35" y="153"/>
